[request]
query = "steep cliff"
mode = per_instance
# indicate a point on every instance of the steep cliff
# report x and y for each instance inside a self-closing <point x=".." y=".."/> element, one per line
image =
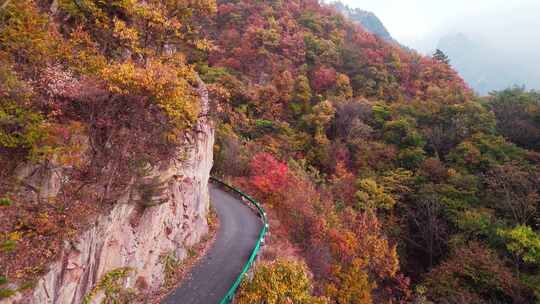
<point x="131" y="239"/>
<point x="368" y="20"/>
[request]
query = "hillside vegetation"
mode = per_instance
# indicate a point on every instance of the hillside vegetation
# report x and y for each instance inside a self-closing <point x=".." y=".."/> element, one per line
<point x="94" y="93"/>
<point x="391" y="180"/>
<point x="386" y="179"/>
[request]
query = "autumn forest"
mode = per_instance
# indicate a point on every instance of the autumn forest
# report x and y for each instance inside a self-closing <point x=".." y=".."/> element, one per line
<point x="385" y="177"/>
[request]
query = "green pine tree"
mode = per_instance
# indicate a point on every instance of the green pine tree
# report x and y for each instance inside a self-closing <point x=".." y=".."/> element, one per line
<point x="441" y="56"/>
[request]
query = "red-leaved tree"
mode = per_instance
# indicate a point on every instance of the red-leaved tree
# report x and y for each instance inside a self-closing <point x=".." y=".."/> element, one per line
<point x="267" y="173"/>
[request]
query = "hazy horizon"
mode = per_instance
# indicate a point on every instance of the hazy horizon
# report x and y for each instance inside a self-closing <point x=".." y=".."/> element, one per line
<point x="508" y="32"/>
<point x="419" y="23"/>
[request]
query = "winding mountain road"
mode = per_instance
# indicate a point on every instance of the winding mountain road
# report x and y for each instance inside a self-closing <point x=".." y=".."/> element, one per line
<point x="216" y="272"/>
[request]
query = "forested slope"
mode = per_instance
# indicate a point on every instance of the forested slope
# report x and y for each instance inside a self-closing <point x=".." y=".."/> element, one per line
<point x="382" y="171"/>
<point x="386" y="179"/>
<point x="105" y="147"/>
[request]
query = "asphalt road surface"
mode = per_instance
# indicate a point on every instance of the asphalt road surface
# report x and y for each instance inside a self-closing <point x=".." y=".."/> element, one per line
<point x="216" y="272"/>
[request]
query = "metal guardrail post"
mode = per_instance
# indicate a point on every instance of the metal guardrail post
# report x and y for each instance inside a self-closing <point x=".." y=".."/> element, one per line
<point x="230" y="294"/>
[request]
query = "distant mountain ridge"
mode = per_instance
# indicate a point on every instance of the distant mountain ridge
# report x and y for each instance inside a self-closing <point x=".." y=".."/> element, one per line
<point x="486" y="68"/>
<point x="368" y="20"/>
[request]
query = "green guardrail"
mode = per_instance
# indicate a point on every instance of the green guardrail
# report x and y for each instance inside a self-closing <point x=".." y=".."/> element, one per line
<point x="230" y="294"/>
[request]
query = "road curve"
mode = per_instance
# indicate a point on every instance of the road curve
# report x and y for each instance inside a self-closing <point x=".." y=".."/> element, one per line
<point x="216" y="272"/>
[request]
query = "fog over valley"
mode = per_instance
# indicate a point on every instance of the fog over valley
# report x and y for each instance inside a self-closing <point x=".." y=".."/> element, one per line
<point x="492" y="44"/>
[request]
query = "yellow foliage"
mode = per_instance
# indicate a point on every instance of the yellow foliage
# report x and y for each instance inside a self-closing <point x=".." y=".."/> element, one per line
<point x="322" y="115"/>
<point x="371" y="196"/>
<point x="142" y="27"/>
<point x="165" y="85"/>
<point x="204" y="45"/>
<point x="343" y="86"/>
<point x="352" y="285"/>
<point x="278" y="283"/>
<point x="84" y="57"/>
<point x="15" y="236"/>
<point x="26" y="34"/>
<point x="126" y="35"/>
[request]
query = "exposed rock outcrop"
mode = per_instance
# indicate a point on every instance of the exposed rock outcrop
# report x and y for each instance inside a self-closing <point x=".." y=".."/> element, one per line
<point x="368" y="20"/>
<point x="136" y="236"/>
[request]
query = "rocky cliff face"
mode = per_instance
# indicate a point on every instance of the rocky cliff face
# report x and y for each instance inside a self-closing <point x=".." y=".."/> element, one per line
<point x="368" y="20"/>
<point x="131" y="236"/>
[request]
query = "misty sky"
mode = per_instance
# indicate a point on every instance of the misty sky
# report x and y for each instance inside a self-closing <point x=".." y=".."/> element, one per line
<point x="513" y="24"/>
